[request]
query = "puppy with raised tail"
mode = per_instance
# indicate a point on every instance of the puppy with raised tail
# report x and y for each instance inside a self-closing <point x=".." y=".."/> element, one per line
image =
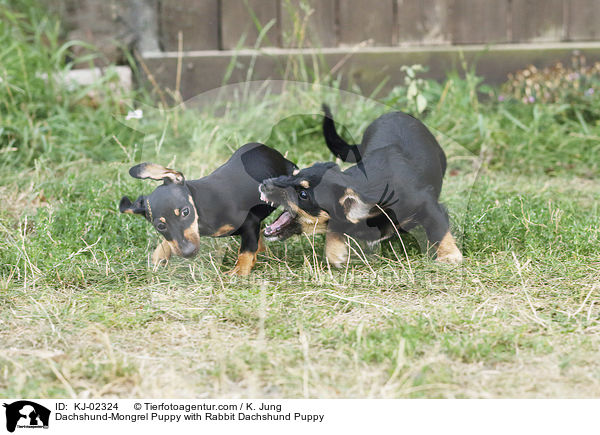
<point x="394" y="186"/>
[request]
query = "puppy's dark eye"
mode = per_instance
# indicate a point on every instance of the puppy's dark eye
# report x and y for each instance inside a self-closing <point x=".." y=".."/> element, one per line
<point x="303" y="194"/>
<point x="161" y="226"/>
<point x="185" y="211"/>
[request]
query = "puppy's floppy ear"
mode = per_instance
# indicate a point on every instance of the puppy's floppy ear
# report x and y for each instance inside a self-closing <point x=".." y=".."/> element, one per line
<point x="156" y="172"/>
<point x="355" y="208"/>
<point x="138" y="207"/>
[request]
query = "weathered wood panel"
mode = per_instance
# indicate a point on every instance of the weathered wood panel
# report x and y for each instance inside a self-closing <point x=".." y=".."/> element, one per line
<point x="537" y="21"/>
<point x="332" y="23"/>
<point x="108" y="26"/>
<point x="475" y="22"/>
<point x="422" y="22"/>
<point x="583" y="20"/>
<point x="367" y="68"/>
<point x="320" y="25"/>
<point x="236" y="21"/>
<point x="362" y="20"/>
<point x="198" y="20"/>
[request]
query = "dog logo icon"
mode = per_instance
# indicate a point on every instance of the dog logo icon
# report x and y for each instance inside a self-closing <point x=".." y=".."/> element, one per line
<point x="26" y="414"/>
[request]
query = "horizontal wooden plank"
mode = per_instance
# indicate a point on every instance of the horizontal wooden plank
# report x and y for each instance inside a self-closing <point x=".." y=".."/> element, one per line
<point x="198" y="20"/>
<point x="367" y="68"/>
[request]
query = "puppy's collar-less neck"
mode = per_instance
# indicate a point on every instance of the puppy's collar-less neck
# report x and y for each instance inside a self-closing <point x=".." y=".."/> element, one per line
<point x="149" y="209"/>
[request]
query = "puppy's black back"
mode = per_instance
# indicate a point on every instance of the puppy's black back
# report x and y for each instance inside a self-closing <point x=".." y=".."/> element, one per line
<point x="238" y="180"/>
<point x="410" y="136"/>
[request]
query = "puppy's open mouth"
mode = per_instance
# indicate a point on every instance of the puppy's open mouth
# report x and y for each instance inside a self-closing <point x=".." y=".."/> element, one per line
<point x="286" y="224"/>
<point x="278" y="227"/>
<point x="264" y="198"/>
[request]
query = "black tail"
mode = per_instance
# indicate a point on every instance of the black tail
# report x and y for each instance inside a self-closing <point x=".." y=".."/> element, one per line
<point x="338" y="146"/>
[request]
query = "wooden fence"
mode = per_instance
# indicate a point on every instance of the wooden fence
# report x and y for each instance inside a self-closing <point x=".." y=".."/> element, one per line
<point x="367" y="41"/>
<point x="228" y="24"/>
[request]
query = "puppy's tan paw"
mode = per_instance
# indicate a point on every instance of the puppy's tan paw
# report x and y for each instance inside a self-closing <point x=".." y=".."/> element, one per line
<point x="239" y="271"/>
<point x="161" y="254"/>
<point x="336" y="249"/>
<point x="451" y="258"/>
<point x="448" y="252"/>
<point x="244" y="264"/>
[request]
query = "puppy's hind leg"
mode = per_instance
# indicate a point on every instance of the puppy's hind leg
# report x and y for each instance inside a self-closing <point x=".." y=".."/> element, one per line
<point x="436" y="223"/>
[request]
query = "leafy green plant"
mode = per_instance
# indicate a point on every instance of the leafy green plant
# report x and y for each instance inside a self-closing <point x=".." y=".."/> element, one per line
<point x="415" y="87"/>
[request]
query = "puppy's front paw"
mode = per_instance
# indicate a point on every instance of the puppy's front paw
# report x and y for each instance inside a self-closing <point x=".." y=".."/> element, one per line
<point x="451" y="258"/>
<point x="448" y="252"/>
<point x="244" y="264"/>
<point x="336" y="249"/>
<point x="239" y="271"/>
<point x="161" y="254"/>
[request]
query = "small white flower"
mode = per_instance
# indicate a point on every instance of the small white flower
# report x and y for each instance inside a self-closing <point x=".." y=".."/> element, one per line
<point x="134" y="114"/>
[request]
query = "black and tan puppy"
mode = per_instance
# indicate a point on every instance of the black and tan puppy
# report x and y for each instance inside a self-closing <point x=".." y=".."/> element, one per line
<point x="394" y="186"/>
<point x="224" y="203"/>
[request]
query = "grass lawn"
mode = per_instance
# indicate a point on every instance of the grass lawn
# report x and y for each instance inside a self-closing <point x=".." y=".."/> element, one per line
<point x="83" y="313"/>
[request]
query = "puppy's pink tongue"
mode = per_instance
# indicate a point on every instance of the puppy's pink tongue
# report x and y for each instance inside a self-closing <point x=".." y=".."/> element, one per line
<point x="283" y="219"/>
